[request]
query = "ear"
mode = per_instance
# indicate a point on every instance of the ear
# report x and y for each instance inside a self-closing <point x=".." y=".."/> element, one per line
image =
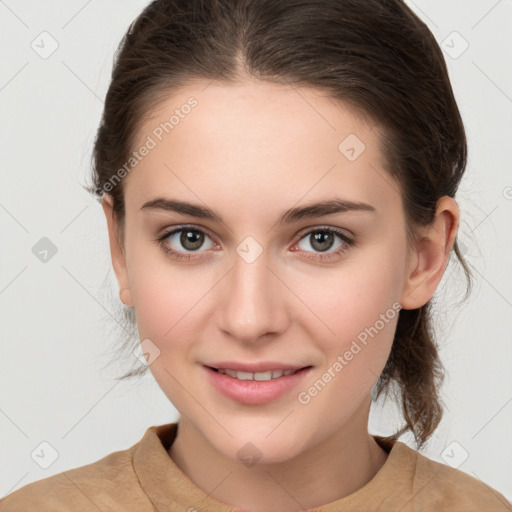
<point x="430" y="255"/>
<point x="117" y="251"/>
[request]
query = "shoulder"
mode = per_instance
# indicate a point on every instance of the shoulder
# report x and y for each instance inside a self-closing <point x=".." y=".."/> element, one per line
<point x="436" y="486"/>
<point x="108" y="484"/>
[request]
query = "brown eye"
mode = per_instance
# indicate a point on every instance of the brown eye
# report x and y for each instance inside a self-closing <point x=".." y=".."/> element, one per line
<point x="322" y="240"/>
<point x="191" y="239"/>
<point x="182" y="242"/>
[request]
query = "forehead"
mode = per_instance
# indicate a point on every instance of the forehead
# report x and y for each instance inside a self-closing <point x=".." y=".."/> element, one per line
<point x="252" y="110"/>
<point x="253" y="144"/>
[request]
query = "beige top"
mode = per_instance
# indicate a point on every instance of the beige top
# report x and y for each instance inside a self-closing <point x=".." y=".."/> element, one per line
<point x="144" y="478"/>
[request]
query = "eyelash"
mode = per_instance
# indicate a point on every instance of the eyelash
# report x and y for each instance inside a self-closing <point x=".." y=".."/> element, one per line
<point x="347" y="243"/>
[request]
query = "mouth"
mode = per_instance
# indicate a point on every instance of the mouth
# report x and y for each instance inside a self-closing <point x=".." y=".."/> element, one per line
<point x="258" y="376"/>
<point x="256" y="388"/>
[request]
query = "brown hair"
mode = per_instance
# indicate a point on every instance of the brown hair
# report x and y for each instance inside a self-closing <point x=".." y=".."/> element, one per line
<point x="376" y="56"/>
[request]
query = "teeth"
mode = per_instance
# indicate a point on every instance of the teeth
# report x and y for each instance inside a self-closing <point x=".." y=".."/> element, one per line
<point x="271" y="374"/>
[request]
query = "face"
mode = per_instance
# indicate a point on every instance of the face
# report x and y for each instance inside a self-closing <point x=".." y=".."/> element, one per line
<point x="318" y="291"/>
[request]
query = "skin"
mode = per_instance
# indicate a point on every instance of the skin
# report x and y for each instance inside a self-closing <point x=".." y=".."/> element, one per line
<point x="250" y="151"/>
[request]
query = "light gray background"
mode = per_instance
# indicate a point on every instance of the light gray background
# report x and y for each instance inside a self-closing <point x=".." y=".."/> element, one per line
<point x="56" y="325"/>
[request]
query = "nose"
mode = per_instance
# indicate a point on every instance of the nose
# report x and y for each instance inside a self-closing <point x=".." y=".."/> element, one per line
<point x="253" y="302"/>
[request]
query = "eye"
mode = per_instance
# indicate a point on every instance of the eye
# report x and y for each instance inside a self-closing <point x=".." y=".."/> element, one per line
<point x="186" y="239"/>
<point x="180" y="243"/>
<point x="322" y="240"/>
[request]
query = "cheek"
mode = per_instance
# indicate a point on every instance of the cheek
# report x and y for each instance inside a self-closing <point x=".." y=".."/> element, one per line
<point x="168" y="304"/>
<point x="361" y="307"/>
<point x="165" y="296"/>
<point x="173" y="304"/>
<point x="355" y="357"/>
<point x="364" y="329"/>
<point x="165" y="305"/>
<point x="355" y="297"/>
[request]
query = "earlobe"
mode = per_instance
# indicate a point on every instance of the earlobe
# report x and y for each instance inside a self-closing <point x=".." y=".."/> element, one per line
<point x="117" y="252"/>
<point x="430" y="257"/>
<point x="126" y="297"/>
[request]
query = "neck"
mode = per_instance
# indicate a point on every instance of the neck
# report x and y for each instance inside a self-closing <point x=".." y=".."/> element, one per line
<point x="343" y="462"/>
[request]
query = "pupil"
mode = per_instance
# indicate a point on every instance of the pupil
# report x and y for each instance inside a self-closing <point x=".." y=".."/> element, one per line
<point x="191" y="240"/>
<point x="322" y="241"/>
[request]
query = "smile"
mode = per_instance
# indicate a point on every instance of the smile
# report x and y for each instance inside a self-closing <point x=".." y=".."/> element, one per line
<point x="255" y="388"/>
<point x="268" y="375"/>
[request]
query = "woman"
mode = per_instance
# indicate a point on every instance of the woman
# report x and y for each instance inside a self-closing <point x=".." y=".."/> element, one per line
<point x="278" y="181"/>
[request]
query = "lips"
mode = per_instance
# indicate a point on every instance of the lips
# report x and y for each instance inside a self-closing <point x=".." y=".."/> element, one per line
<point x="255" y="391"/>
<point x="259" y="376"/>
<point x="260" y="367"/>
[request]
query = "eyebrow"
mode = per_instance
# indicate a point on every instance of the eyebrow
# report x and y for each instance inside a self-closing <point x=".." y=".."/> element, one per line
<point x="312" y="210"/>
